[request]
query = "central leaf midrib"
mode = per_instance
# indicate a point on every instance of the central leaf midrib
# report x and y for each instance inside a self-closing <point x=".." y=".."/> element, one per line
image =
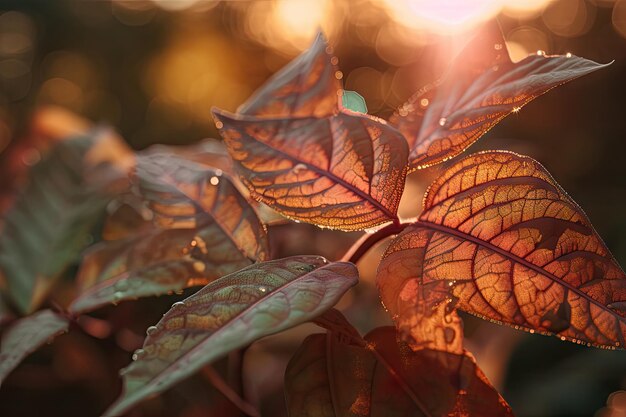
<point x="337" y="180"/>
<point x="515" y="258"/>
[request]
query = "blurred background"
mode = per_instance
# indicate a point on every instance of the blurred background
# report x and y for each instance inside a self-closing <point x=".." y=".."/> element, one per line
<point x="153" y="69"/>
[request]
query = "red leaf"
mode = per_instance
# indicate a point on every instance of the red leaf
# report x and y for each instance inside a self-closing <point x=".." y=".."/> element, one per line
<point x="500" y="238"/>
<point x="204" y="229"/>
<point x="381" y="376"/>
<point x="482" y="87"/>
<point x="311" y="160"/>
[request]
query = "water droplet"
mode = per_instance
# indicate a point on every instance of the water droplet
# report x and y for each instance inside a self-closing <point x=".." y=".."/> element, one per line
<point x="532" y="331"/>
<point x="568" y="55"/>
<point x="497" y="46"/>
<point x="219" y="124"/>
<point x="214" y="180"/>
<point x="451" y="283"/>
<point x="179" y="304"/>
<point x="563" y="338"/>
<point x="516" y="109"/>
<point x="298" y="167"/>
<point x="262" y="289"/>
<point x="495" y="68"/>
<point x="117" y="296"/>
<point x="139" y="353"/>
<point x="541" y="53"/>
<point x="334" y="60"/>
<point x="150" y="330"/>
<point x="338" y="75"/>
<point x="193" y="243"/>
<point x="424" y="102"/>
<point x="442" y="121"/>
<point x="219" y="172"/>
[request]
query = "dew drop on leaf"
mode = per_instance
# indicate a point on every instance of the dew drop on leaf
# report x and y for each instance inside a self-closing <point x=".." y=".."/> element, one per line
<point x="298" y="167"/>
<point x="139" y="353"/>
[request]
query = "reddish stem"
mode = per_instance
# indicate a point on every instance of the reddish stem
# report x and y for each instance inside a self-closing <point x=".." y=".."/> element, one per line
<point x="361" y="246"/>
<point x="211" y="374"/>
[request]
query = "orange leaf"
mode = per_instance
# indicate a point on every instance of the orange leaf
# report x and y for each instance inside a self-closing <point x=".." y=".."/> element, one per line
<point x="501" y="239"/>
<point x="382" y="376"/>
<point x="309" y="159"/>
<point x="481" y="87"/>
<point x="306" y="87"/>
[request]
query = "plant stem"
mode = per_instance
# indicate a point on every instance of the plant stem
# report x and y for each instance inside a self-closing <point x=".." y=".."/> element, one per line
<point x="361" y="246"/>
<point x="221" y="385"/>
<point x="235" y="371"/>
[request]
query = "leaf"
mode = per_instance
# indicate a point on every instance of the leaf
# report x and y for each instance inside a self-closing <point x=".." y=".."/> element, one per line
<point x="27" y="335"/>
<point x="206" y="230"/>
<point x="501" y="239"/>
<point x="306" y="87"/>
<point x="209" y="152"/>
<point x="312" y="160"/>
<point x="352" y="100"/>
<point x="481" y="87"/>
<point x="382" y="376"/>
<point x="50" y="221"/>
<point x="230" y="313"/>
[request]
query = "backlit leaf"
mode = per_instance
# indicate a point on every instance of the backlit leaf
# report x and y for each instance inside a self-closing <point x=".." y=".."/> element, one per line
<point x="500" y="239"/>
<point x="381" y="376"/>
<point x="481" y="87"/>
<point x="312" y="160"/>
<point x="206" y="229"/>
<point x="27" y="335"/>
<point x="50" y="221"/>
<point x="230" y="313"/>
<point x="306" y="87"/>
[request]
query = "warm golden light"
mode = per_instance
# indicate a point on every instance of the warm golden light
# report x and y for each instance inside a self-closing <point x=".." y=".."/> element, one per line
<point x="457" y="15"/>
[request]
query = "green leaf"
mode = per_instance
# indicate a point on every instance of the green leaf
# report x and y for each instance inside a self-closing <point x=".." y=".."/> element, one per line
<point x="27" y="335"/>
<point x="230" y="313"/>
<point x="352" y="100"/>
<point x="50" y="221"/>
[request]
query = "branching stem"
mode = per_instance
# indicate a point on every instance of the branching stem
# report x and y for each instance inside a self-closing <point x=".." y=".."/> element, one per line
<point x="361" y="246"/>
